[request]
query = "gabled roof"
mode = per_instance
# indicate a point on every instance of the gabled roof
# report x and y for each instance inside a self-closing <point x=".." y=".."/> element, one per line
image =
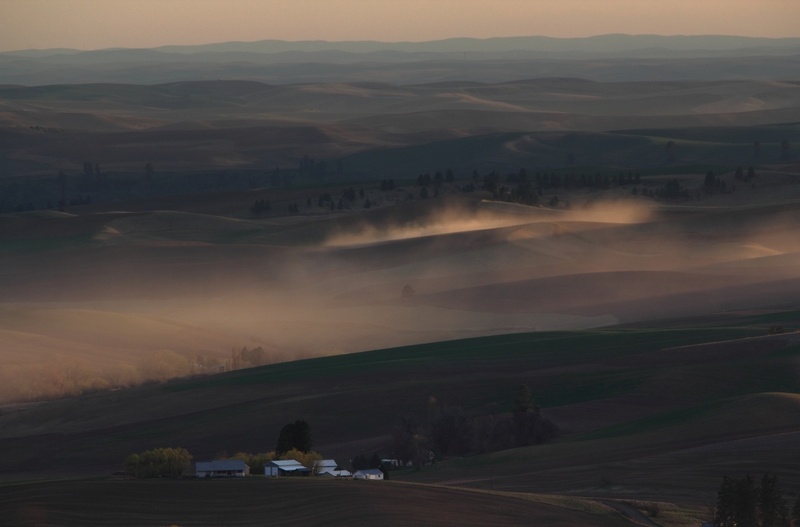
<point x="328" y="463"/>
<point x="334" y="472"/>
<point x="285" y="463"/>
<point x="226" y="464"/>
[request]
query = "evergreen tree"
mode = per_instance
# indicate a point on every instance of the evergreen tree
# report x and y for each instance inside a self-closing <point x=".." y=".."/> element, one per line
<point x="375" y="460"/>
<point x="709" y="180"/>
<point x="772" y="509"/>
<point x="360" y="462"/>
<point x="301" y="436"/>
<point x="796" y="512"/>
<point x="745" y="502"/>
<point x="522" y="399"/>
<point x="725" y="514"/>
<point x="285" y="439"/>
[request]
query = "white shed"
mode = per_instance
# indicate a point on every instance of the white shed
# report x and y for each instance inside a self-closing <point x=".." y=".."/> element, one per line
<point x="329" y="467"/>
<point x="370" y="473"/>
<point x="227" y="468"/>
<point x="288" y="467"/>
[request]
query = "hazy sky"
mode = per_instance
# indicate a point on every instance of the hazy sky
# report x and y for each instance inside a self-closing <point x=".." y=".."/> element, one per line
<point x="92" y="24"/>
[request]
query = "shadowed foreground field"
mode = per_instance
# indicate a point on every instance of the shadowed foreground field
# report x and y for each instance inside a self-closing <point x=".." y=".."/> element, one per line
<point x="284" y="502"/>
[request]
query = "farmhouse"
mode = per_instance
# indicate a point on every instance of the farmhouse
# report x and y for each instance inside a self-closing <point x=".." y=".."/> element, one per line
<point x="228" y="468"/>
<point x="329" y="467"/>
<point x="287" y="467"/>
<point x="370" y="473"/>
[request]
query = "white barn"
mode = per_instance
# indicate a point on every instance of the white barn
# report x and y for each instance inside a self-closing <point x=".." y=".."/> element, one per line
<point x="370" y="473"/>
<point x="288" y="467"/>
<point x="329" y="467"/>
<point x="228" y="468"/>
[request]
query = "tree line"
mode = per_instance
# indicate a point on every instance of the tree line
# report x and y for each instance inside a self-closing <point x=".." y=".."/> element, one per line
<point x="452" y="431"/>
<point x="740" y="503"/>
<point x="159" y="463"/>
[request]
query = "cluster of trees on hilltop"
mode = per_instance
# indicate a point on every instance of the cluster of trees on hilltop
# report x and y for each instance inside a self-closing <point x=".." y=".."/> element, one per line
<point x="740" y="174"/>
<point x="740" y="503"/>
<point x="425" y="180"/>
<point x="260" y="206"/>
<point x="544" y="181"/>
<point x="452" y="431"/>
<point x="159" y="463"/>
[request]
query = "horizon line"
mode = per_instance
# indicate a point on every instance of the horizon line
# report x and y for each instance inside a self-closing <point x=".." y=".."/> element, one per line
<point x="388" y="42"/>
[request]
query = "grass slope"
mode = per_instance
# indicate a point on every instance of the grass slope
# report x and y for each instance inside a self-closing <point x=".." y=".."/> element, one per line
<point x="352" y="400"/>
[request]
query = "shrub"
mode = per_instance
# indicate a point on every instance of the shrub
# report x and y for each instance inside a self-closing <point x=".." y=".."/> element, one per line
<point x="159" y="463"/>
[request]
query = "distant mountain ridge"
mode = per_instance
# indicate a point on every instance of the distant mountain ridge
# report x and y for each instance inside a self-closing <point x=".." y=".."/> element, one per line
<point x="601" y="58"/>
<point x="611" y="43"/>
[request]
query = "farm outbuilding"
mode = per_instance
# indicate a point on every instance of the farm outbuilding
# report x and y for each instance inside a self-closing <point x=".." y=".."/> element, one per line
<point x="228" y="468"/>
<point x="288" y="467"/>
<point x="329" y="467"/>
<point x="370" y="473"/>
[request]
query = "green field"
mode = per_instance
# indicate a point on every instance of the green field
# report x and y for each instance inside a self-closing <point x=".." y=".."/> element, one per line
<point x="688" y="395"/>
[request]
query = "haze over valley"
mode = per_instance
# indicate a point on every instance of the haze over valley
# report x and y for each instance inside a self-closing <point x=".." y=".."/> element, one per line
<point x="431" y="242"/>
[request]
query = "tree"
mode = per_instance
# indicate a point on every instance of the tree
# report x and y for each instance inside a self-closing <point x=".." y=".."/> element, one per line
<point x="739" y="173"/>
<point x="360" y="462"/>
<point x="786" y="153"/>
<point x="405" y="442"/>
<point x="285" y="439"/>
<point x="451" y="432"/>
<point x="301" y="436"/>
<point x="522" y="399"/>
<point x="724" y="515"/>
<point x="375" y="460"/>
<point x="449" y="176"/>
<point x="745" y="496"/>
<point x="423" y="193"/>
<point x="709" y="180"/>
<point x="772" y="509"/>
<point x="796" y="512"/>
<point x="294" y="436"/>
